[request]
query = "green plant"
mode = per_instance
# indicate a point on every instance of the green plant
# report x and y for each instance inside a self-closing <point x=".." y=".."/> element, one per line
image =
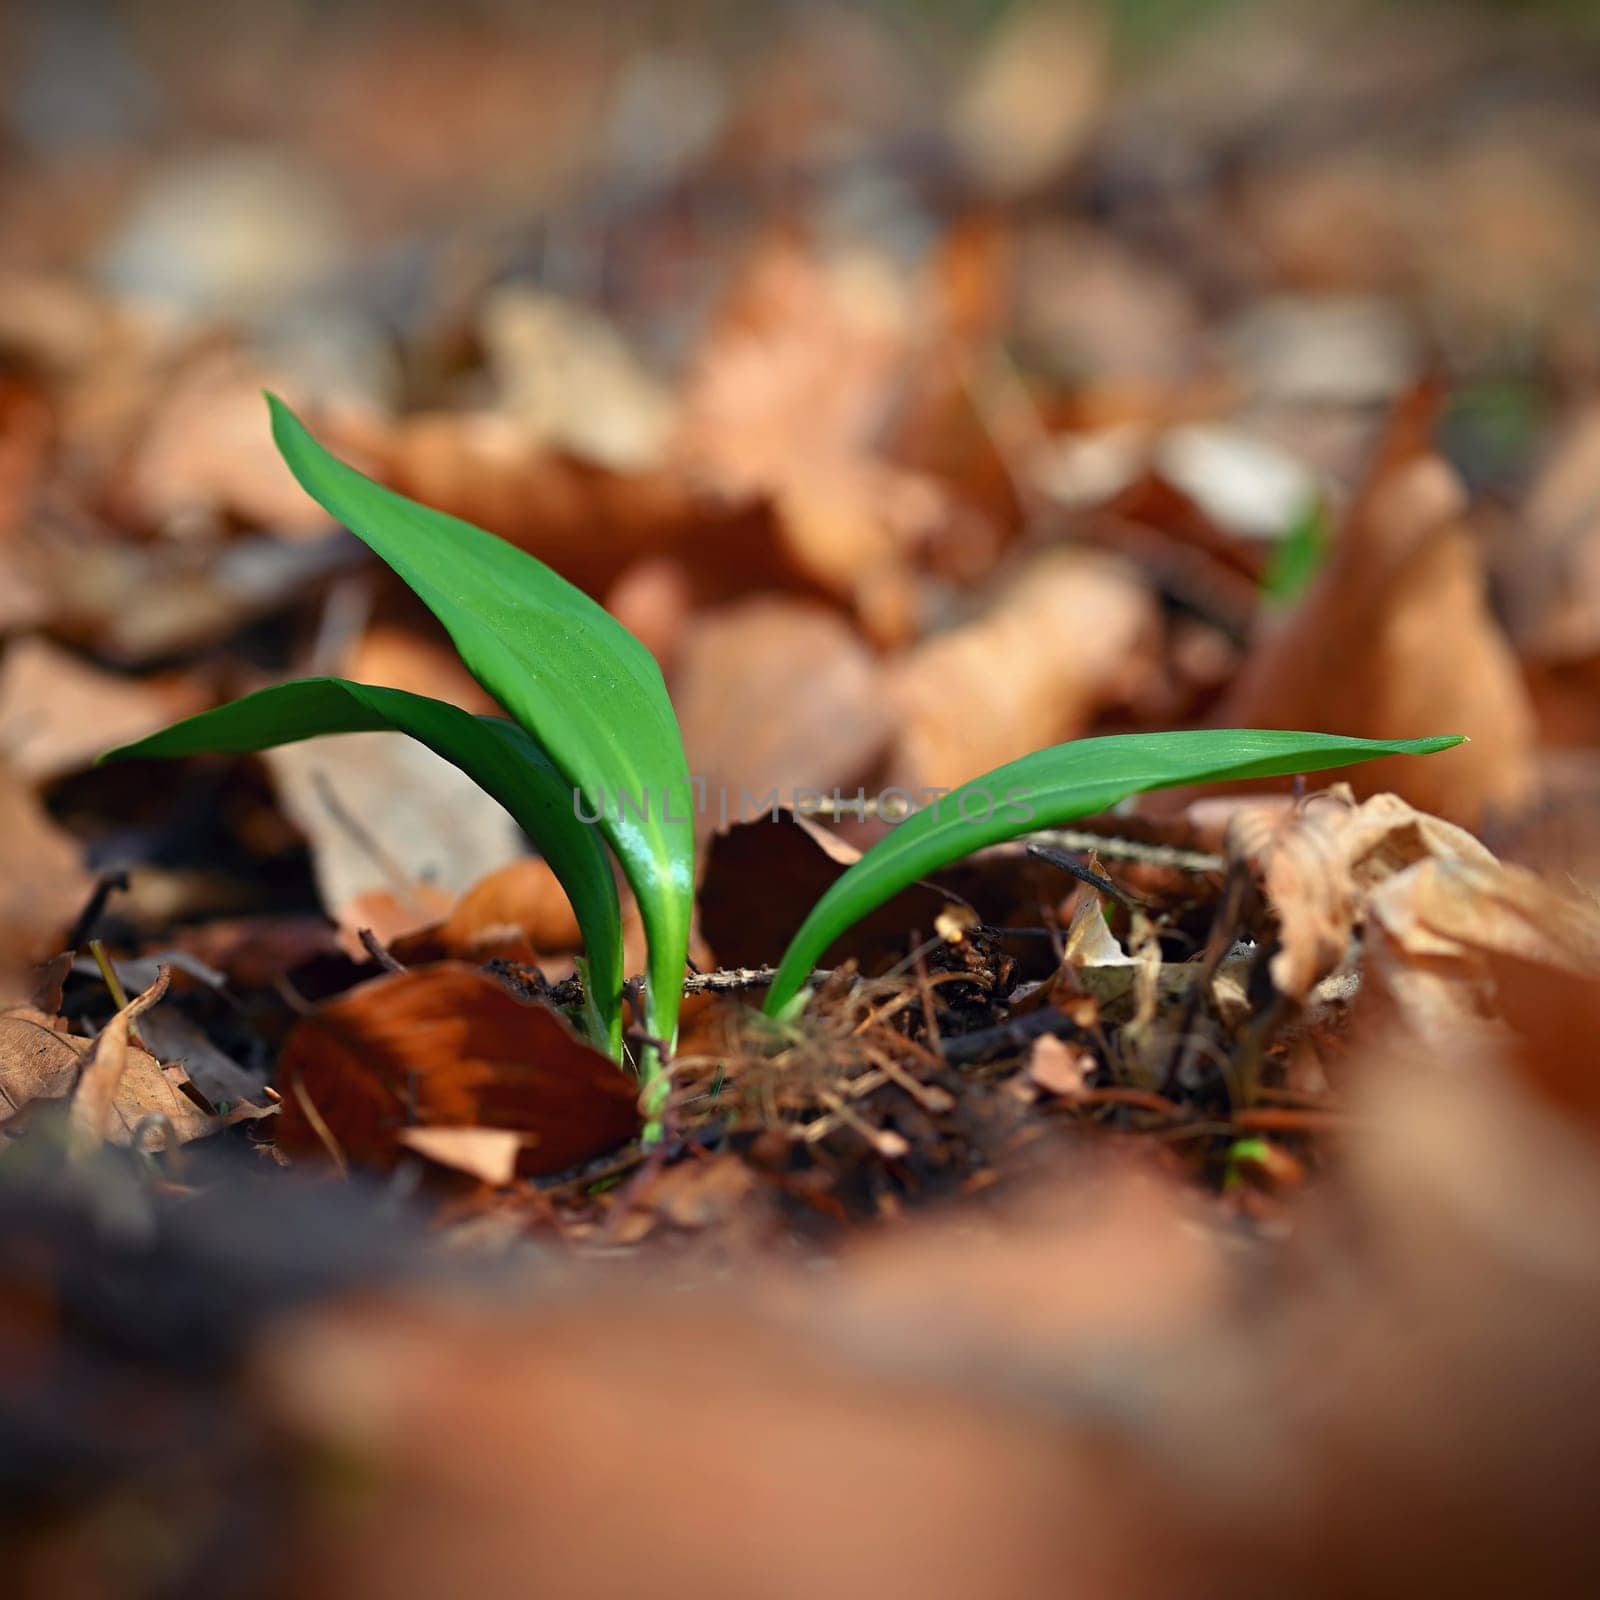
<point x="1047" y="789"/>
<point x="592" y="724"/>
<point x="592" y="720"/>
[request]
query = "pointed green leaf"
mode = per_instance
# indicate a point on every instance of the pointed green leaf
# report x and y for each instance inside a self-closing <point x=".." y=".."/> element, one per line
<point x="497" y="755"/>
<point x="1052" y="787"/>
<point x="568" y="672"/>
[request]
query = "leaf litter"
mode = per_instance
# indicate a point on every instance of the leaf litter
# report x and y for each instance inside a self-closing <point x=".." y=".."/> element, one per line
<point x="1200" y="1198"/>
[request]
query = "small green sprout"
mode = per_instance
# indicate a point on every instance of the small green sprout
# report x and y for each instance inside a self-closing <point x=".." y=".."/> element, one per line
<point x="592" y="736"/>
<point x="592" y="755"/>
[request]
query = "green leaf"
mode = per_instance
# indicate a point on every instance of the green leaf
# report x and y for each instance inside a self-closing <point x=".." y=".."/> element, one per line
<point x="1052" y="787"/>
<point x="586" y="690"/>
<point x="1299" y="557"/>
<point x="497" y="755"/>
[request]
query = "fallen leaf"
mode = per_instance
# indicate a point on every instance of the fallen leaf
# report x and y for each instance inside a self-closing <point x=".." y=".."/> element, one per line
<point x="1548" y="576"/>
<point x="1440" y="926"/>
<point x="43" y="885"/>
<point x="255" y="952"/>
<point x="794" y="867"/>
<point x="191" y="593"/>
<point x="177" y="1040"/>
<point x="1089" y="942"/>
<point x="1553" y="1013"/>
<point x="1071" y="635"/>
<point x="1059" y="1068"/>
<point x="27" y="431"/>
<point x="386" y="816"/>
<point x="418" y="659"/>
<point x="776" y="696"/>
<point x="447" y="1047"/>
<point x="488" y="1154"/>
<point x="520" y="902"/>
<point x="795" y="378"/>
<point x="700" y="1194"/>
<point x="204" y="458"/>
<point x="1394" y="637"/>
<point x="396" y="918"/>
<point x="1321" y="862"/>
<point x="587" y="521"/>
<point x="100" y="1089"/>
<point x="57" y="712"/>
<point x="125" y="1084"/>
<point x="1033" y="96"/>
<point x="37" y="1061"/>
<point x="565" y="373"/>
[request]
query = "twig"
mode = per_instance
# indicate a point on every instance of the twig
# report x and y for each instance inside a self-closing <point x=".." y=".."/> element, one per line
<point x="106" y="885"/>
<point x="119" y="995"/>
<point x="370" y="943"/>
<point x="1095" y="880"/>
<point x="726" y="979"/>
<point x="320" y="1127"/>
<point x="1111" y="848"/>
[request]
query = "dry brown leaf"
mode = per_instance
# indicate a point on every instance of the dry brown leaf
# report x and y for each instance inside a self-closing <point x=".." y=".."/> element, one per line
<point x="701" y="1194"/>
<point x="1088" y="941"/>
<point x="1440" y="927"/>
<point x="125" y="1085"/>
<point x="1554" y="1017"/>
<point x="1067" y="1267"/>
<point x="565" y="373"/>
<point x="27" y="431"/>
<point x="1073" y="634"/>
<point x="794" y="864"/>
<point x="206" y="455"/>
<point x="191" y="594"/>
<point x="1321" y="862"/>
<point x="1394" y="639"/>
<point x="1171" y="538"/>
<point x="787" y="400"/>
<point x="447" y="1047"/>
<point x="392" y="917"/>
<point x="1549" y="572"/>
<point x="524" y="895"/>
<point x="776" y="695"/>
<point x="1034" y="95"/>
<point x="255" y="952"/>
<point x="37" y="1060"/>
<point x="447" y="1412"/>
<point x="392" y="827"/>
<point x="1059" y="1068"/>
<point x="488" y="1154"/>
<point x="57" y="712"/>
<point x="587" y="521"/>
<point x="519" y="912"/>
<point x="100" y="1089"/>
<point x="43" y="885"/>
<point x="395" y="656"/>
